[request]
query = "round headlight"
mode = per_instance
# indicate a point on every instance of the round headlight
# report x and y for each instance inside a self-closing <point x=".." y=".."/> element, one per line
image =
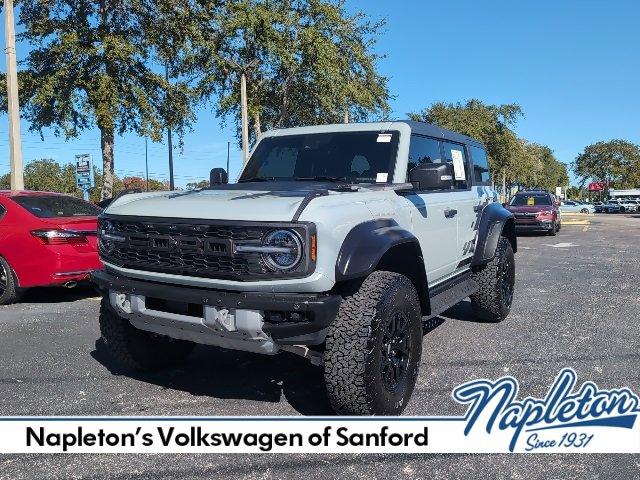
<point x="286" y="250"/>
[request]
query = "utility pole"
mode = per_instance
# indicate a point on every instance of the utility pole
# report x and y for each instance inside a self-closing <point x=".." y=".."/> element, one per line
<point x="169" y="140"/>
<point x="15" y="147"/>
<point x="245" y="117"/>
<point x="228" y="148"/>
<point x="146" y="161"/>
<point x="346" y="115"/>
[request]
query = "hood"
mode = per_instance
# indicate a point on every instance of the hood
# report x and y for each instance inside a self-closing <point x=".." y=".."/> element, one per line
<point x="247" y="201"/>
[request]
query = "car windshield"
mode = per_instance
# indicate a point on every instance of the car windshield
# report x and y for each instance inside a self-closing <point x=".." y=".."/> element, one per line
<point x="51" y="206"/>
<point x="353" y="157"/>
<point x="530" y="199"/>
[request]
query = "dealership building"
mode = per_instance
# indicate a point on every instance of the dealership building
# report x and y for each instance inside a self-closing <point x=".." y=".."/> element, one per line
<point x="633" y="193"/>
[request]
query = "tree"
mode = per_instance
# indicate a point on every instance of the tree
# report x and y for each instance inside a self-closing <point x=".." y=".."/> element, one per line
<point x="490" y="124"/>
<point x="198" y="184"/>
<point x="616" y="163"/>
<point x="90" y="65"/>
<point x="132" y="183"/>
<point x="539" y="168"/>
<point x="306" y="61"/>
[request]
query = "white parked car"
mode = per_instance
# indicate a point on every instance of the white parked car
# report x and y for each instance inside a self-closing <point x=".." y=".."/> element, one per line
<point x="571" y="206"/>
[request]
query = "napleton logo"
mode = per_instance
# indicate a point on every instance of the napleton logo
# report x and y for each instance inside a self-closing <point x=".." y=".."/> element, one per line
<point x="494" y="406"/>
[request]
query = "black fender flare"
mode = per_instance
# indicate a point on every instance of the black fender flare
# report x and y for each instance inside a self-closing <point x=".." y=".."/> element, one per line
<point x="495" y="221"/>
<point x="366" y="244"/>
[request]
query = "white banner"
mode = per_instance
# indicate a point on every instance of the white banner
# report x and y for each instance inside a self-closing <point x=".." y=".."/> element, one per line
<point x="568" y="419"/>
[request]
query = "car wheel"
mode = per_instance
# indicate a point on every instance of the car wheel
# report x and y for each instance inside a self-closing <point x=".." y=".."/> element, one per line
<point x="496" y="280"/>
<point x="553" y="230"/>
<point x="9" y="291"/>
<point x="622" y="209"/>
<point x="137" y="349"/>
<point x="374" y="346"/>
<point x="584" y="210"/>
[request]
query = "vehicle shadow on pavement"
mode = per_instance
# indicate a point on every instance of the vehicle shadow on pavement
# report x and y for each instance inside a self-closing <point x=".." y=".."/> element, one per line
<point x="58" y="294"/>
<point x="229" y="374"/>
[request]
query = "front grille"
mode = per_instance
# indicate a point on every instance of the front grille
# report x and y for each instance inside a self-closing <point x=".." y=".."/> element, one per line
<point x="196" y="249"/>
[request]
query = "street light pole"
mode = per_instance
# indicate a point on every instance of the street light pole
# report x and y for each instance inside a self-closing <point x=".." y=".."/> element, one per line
<point x="245" y="118"/>
<point x="146" y="161"/>
<point x="169" y="139"/>
<point x="15" y="147"/>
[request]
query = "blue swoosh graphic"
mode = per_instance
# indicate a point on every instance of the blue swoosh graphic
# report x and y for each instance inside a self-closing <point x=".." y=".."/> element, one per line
<point x="623" y="421"/>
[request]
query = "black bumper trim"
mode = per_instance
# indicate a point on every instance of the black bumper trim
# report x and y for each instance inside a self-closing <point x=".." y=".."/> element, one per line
<point x="322" y="308"/>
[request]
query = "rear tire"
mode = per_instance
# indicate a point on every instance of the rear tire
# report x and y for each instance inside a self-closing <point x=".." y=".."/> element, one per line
<point x="584" y="210"/>
<point x="9" y="291"/>
<point x="136" y="349"/>
<point x="374" y="346"/>
<point x="492" y="302"/>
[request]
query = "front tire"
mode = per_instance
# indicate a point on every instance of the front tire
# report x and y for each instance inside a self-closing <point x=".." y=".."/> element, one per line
<point x="554" y="229"/>
<point x="9" y="291"/>
<point x="492" y="302"/>
<point x="136" y="349"/>
<point x="374" y="346"/>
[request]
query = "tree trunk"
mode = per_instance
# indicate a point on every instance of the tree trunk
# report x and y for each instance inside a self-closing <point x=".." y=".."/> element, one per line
<point x="106" y="144"/>
<point x="257" y="128"/>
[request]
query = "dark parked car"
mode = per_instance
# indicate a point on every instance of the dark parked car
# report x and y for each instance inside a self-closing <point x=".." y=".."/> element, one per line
<point x="535" y="211"/>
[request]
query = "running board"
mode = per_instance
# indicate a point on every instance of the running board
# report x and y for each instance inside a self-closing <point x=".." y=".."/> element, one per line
<point x="447" y="294"/>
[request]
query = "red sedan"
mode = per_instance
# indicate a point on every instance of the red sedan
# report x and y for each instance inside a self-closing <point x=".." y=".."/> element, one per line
<point x="45" y="239"/>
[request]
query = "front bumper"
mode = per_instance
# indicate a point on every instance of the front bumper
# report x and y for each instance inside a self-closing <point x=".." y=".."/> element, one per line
<point x="253" y="321"/>
<point x="545" y="224"/>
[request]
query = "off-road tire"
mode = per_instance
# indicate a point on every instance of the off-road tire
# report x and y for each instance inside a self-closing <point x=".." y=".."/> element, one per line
<point x="492" y="302"/>
<point x="9" y="291"/>
<point x="135" y="349"/>
<point x="354" y="359"/>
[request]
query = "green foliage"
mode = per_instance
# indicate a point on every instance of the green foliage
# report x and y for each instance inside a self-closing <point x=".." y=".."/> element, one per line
<point x="490" y="124"/>
<point x="616" y="162"/>
<point x="198" y="184"/>
<point x="131" y="183"/>
<point x="91" y="64"/>
<point x="306" y="61"/>
<point x="539" y="168"/>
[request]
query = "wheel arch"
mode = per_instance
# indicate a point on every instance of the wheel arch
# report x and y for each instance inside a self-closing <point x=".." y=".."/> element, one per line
<point x="495" y="222"/>
<point x="382" y="245"/>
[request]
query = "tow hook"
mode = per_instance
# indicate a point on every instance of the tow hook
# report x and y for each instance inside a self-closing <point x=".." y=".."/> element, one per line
<point x="316" y="358"/>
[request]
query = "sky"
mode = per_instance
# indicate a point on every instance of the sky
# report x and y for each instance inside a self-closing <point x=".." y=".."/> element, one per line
<point x="572" y="65"/>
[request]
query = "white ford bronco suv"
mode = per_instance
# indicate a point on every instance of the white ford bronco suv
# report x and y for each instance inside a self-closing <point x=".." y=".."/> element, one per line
<point x="336" y="243"/>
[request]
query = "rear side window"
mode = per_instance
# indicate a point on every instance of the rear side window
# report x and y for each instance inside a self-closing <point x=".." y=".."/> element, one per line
<point x="56" y="206"/>
<point x="480" y="165"/>
<point x="454" y="153"/>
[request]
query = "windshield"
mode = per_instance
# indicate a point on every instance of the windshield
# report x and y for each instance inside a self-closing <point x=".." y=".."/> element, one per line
<point x="56" y="206"/>
<point x="531" y="199"/>
<point x="354" y="157"/>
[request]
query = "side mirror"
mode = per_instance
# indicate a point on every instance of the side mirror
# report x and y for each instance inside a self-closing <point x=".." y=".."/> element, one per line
<point x="218" y="176"/>
<point x="432" y="176"/>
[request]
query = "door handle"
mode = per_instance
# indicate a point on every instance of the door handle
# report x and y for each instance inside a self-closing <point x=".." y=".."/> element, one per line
<point x="450" y="212"/>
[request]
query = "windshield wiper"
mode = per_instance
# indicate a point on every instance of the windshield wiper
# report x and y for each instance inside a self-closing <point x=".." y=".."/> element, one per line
<point x="257" y="179"/>
<point x="321" y="178"/>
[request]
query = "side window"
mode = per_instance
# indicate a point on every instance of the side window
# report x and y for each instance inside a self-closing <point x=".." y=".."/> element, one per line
<point x="480" y="165"/>
<point x="2" y="210"/>
<point x="423" y="150"/>
<point x="454" y="153"/>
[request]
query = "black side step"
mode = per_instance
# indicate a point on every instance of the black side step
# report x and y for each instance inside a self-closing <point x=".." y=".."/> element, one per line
<point x="447" y="294"/>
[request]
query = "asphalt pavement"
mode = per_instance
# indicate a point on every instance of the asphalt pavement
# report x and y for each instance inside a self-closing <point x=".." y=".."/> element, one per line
<point x="577" y="304"/>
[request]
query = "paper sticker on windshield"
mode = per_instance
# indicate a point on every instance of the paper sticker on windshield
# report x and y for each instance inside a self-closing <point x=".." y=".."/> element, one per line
<point x="531" y="201"/>
<point x="382" y="177"/>
<point x="384" y="138"/>
<point x="458" y="165"/>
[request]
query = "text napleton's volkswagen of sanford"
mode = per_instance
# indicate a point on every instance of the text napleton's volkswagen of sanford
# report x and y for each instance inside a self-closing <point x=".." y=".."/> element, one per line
<point x="336" y="243"/>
